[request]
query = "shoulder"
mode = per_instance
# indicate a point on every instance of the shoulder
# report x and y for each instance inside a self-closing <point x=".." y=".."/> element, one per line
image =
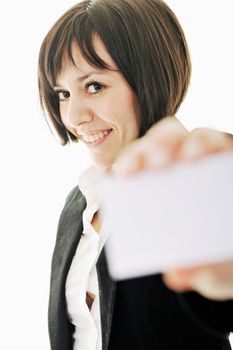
<point x="75" y="201"/>
<point x="74" y="206"/>
<point x="74" y="197"/>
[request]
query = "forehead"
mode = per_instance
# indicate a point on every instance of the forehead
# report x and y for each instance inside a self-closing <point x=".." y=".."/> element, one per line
<point x="81" y="63"/>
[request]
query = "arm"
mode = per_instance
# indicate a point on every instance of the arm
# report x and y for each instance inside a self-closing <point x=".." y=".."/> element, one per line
<point x="166" y="143"/>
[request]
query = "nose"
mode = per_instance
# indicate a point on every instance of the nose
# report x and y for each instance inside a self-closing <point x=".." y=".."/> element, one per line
<point x="76" y="112"/>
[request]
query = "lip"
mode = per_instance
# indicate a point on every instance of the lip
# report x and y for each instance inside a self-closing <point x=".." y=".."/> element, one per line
<point x="98" y="142"/>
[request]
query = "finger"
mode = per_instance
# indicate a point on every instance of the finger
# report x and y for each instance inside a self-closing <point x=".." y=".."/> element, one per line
<point x="165" y="128"/>
<point x="164" y="139"/>
<point x="213" y="281"/>
<point x="155" y="150"/>
<point x="202" y="281"/>
<point x="179" y="280"/>
<point x="130" y="161"/>
<point x="203" y="142"/>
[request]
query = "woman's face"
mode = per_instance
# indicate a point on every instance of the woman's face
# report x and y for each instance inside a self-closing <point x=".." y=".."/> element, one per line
<point x="98" y="106"/>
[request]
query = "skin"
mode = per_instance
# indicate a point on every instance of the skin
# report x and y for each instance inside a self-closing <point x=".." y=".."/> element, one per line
<point x="110" y="103"/>
<point x="172" y="143"/>
<point x="101" y="101"/>
<point x="94" y="101"/>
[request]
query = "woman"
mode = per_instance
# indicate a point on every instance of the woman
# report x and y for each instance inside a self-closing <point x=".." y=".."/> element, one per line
<point x="109" y="71"/>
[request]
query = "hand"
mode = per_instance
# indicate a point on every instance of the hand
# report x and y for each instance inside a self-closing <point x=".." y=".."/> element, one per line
<point x="212" y="281"/>
<point x="165" y="144"/>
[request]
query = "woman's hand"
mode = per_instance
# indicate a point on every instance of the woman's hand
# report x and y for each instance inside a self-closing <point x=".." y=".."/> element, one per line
<point x="165" y="144"/>
<point x="212" y="281"/>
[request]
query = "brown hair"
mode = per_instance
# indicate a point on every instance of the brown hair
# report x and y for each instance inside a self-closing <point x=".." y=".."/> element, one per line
<point x="145" y="40"/>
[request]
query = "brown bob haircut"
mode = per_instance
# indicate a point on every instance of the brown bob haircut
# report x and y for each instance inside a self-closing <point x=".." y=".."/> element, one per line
<point x="145" y="40"/>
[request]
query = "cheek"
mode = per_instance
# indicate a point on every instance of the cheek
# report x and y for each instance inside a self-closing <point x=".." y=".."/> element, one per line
<point x="62" y="111"/>
<point x="122" y="112"/>
<point x="133" y="114"/>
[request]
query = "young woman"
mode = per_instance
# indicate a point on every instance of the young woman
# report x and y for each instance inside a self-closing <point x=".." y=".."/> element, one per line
<point x="110" y="72"/>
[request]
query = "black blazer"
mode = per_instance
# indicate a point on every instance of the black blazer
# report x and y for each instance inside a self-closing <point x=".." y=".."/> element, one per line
<point x="136" y="314"/>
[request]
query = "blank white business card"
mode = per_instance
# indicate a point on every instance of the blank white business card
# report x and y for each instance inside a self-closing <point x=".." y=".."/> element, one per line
<point x="178" y="217"/>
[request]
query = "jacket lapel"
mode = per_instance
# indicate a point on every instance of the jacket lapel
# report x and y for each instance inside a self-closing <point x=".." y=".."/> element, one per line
<point x="70" y="228"/>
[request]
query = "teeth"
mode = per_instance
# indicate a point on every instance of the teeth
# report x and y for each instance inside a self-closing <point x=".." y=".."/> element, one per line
<point x="95" y="137"/>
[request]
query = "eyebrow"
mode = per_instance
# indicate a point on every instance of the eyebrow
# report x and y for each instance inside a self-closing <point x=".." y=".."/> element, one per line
<point x="83" y="77"/>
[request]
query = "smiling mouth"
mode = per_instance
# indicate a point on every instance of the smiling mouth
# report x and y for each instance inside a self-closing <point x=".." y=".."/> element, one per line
<point x="97" y="138"/>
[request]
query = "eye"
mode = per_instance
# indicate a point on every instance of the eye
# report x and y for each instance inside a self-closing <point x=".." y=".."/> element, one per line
<point x="93" y="87"/>
<point x="62" y="95"/>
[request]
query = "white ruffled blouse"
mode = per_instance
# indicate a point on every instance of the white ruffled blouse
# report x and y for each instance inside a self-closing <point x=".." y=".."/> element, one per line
<point x="82" y="276"/>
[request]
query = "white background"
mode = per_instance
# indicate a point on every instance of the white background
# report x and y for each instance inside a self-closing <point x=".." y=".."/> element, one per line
<point x="37" y="173"/>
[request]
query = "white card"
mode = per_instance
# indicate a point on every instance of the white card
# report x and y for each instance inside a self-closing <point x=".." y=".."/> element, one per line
<point x="178" y="217"/>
